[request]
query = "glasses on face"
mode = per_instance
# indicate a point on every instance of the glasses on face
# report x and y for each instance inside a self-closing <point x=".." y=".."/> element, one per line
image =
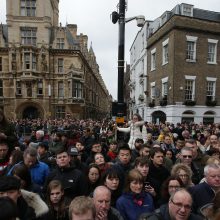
<point x="180" y="205"/>
<point x="187" y="156"/>
<point x="174" y="187"/>
<point x="183" y="176"/>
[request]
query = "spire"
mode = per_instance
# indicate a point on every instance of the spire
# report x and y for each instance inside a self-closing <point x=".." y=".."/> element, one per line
<point x="91" y="49"/>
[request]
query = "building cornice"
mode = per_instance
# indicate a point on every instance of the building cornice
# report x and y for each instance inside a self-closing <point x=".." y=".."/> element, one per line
<point x="178" y="22"/>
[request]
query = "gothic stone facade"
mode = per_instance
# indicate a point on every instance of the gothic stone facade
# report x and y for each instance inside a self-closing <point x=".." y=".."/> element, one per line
<point x="47" y="70"/>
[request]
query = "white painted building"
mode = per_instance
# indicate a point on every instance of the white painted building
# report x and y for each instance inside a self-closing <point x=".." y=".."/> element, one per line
<point x="138" y="72"/>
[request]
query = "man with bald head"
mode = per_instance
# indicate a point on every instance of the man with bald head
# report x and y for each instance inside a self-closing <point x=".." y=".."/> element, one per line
<point x="102" y="201"/>
<point x="178" y="208"/>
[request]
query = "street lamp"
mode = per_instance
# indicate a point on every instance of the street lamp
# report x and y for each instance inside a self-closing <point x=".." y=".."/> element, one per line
<point x="120" y="18"/>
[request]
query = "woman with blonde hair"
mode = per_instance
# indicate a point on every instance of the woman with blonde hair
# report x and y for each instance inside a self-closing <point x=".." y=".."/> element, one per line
<point x="184" y="172"/>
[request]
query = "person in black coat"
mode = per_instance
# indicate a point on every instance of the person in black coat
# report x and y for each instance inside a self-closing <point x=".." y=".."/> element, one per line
<point x="157" y="172"/>
<point x="178" y="207"/>
<point x="72" y="179"/>
<point x="204" y="192"/>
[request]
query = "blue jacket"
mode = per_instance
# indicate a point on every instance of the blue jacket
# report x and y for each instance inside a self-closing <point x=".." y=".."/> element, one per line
<point x="131" y="206"/>
<point x="39" y="172"/>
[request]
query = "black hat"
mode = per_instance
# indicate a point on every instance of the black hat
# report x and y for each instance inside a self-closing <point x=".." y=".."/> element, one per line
<point x="9" y="183"/>
<point x="72" y="151"/>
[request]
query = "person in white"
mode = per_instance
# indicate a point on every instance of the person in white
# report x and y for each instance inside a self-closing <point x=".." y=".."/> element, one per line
<point x="136" y="128"/>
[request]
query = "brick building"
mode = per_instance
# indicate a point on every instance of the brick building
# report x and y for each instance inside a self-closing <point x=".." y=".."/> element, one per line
<point x="183" y="66"/>
<point x="47" y="70"/>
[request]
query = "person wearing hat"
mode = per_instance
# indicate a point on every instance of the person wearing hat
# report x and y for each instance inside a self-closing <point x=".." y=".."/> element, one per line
<point x="73" y="180"/>
<point x="29" y="205"/>
<point x="76" y="159"/>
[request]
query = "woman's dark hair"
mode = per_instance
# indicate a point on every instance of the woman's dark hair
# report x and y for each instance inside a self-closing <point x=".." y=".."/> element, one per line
<point x="110" y="173"/>
<point x="22" y="171"/>
<point x="93" y="165"/>
<point x="8" y="209"/>
<point x="164" y="189"/>
<point x="62" y="207"/>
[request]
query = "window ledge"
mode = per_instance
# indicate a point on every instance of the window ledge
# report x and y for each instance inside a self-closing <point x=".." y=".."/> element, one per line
<point x="212" y="63"/>
<point x="190" y="61"/>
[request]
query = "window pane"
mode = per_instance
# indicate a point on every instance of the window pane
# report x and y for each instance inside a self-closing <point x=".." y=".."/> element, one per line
<point x="211" y="52"/>
<point x="189" y="90"/>
<point x="190" y="50"/>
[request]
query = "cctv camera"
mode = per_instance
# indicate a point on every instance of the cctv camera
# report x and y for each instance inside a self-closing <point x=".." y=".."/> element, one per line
<point x="140" y="20"/>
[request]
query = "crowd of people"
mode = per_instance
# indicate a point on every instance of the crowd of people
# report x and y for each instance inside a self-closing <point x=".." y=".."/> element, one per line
<point x="79" y="169"/>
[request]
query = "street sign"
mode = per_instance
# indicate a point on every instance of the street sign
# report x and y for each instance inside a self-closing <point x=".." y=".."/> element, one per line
<point x="119" y="120"/>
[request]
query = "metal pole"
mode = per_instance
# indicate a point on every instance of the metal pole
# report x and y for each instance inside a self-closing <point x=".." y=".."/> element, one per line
<point x="121" y="48"/>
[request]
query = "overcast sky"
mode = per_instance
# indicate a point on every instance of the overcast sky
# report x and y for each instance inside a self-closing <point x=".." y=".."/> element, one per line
<point x="93" y="19"/>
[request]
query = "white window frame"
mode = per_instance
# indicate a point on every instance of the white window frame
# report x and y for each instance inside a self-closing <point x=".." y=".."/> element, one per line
<point x="153" y="90"/>
<point x="153" y="59"/>
<point x="193" y="40"/>
<point x="187" y="10"/>
<point x="165" y="53"/>
<point x="164" y="86"/>
<point x="212" y="53"/>
<point x="211" y="80"/>
<point x="193" y="79"/>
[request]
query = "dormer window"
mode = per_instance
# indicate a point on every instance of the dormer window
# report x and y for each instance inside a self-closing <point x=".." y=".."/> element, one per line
<point x="187" y="10"/>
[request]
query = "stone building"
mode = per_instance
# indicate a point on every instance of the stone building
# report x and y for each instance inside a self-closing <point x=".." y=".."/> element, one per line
<point x="47" y="70"/>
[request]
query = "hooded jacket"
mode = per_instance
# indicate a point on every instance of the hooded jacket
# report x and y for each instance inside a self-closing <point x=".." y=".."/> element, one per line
<point x="72" y="179"/>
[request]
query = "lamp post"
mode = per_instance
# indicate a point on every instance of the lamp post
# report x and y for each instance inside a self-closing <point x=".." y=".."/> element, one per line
<point x="120" y="18"/>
